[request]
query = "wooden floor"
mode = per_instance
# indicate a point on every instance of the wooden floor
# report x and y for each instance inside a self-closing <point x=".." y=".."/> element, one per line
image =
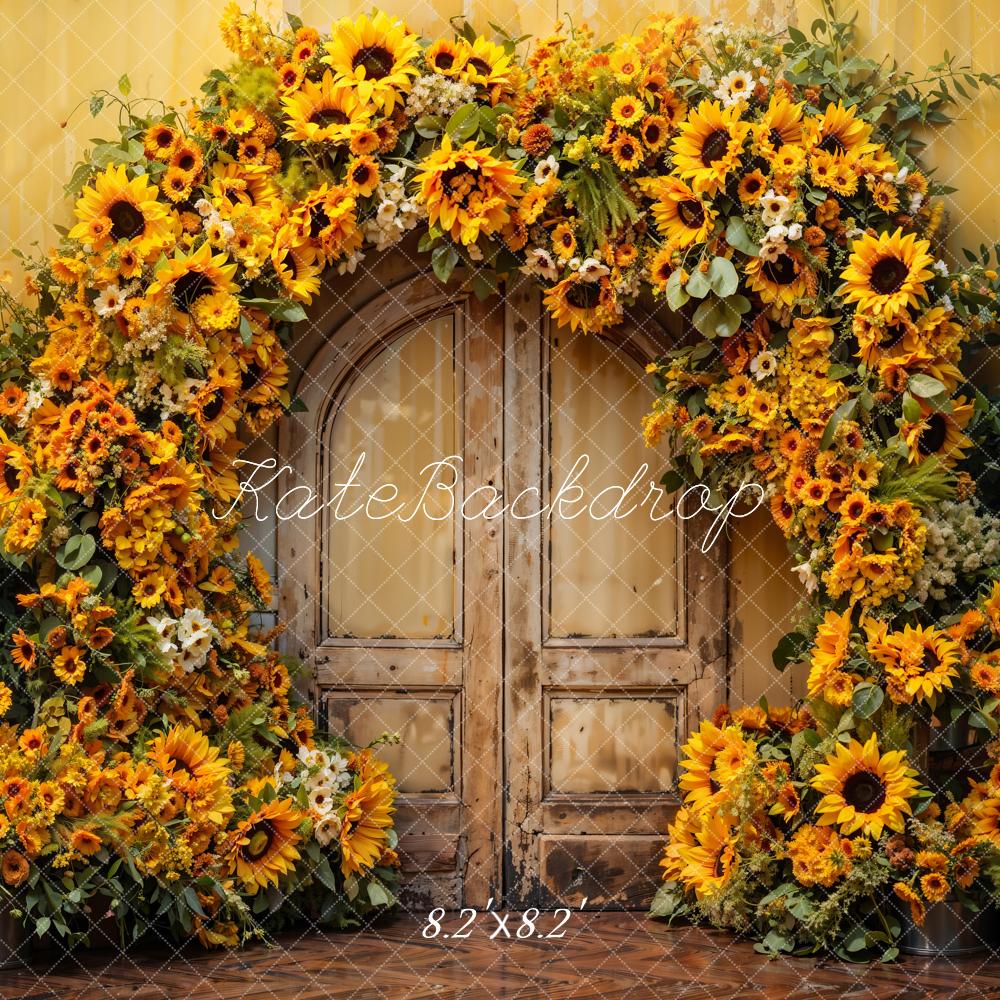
<point x="602" y="955"/>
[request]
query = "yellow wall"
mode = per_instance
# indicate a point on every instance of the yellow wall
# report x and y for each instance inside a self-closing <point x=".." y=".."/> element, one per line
<point x="55" y="52"/>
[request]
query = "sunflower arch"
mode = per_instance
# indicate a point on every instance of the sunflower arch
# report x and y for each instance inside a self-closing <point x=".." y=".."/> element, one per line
<point x="768" y="189"/>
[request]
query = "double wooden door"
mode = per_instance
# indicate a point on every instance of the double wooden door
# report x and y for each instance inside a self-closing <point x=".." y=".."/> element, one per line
<point x="478" y="584"/>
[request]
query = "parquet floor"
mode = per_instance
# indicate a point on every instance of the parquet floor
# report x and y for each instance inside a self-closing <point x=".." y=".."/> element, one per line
<point x="602" y="955"/>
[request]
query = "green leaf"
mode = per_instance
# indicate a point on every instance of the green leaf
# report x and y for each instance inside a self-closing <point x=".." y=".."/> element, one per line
<point x="464" y="123"/>
<point x="843" y="412"/>
<point x="444" y="259"/>
<point x="738" y="237"/>
<point x="926" y="386"/>
<point x="377" y="895"/>
<point x="716" y="318"/>
<point x="789" y="649"/>
<point x="867" y="700"/>
<point x="722" y="277"/>
<point x="324" y="873"/>
<point x="124" y="85"/>
<point x="676" y="295"/>
<point x="76" y="552"/>
<point x="697" y="285"/>
<point x="96" y="105"/>
<point x="429" y="126"/>
<point x="246" y="331"/>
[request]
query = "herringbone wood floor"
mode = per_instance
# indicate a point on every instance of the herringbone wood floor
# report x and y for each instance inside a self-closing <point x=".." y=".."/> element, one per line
<point x="602" y="955"/>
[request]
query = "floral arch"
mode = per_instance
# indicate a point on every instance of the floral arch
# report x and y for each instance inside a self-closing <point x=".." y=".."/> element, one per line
<point x="769" y="188"/>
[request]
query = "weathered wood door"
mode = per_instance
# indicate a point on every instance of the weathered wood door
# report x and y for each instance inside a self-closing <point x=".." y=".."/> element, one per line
<point x="541" y="670"/>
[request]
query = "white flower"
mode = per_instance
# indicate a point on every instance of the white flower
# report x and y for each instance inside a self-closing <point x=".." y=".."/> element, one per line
<point x="770" y="252"/>
<point x="947" y="304"/>
<point x="204" y="207"/>
<point x="312" y="758"/>
<point x="734" y="86"/>
<point x="795" y="231"/>
<point x="474" y="252"/>
<point x="109" y="301"/>
<point x="327" y="829"/>
<point x="593" y="270"/>
<point x="321" y="798"/>
<point x="777" y="233"/>
<point x="763" y="365"/>
<point x="549" y="167"/>
<point x="774" y="208"/>
<point x="806" y="575"/>
<point x="540" y="262"/>
<point x="705" y="76"/>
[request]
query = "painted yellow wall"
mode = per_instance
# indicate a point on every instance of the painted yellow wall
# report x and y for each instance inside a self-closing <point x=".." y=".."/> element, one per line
<point x="55" y="52"/>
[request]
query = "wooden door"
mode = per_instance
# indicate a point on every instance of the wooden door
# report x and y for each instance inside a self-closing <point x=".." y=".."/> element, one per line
<point x="541" y="671"/>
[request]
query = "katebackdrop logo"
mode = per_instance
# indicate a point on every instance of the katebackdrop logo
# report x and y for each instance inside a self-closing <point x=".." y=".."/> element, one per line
<point x="438" y="498"/>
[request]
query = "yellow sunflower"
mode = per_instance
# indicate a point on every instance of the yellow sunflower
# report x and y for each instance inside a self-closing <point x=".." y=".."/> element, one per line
<point x="830" y="648"/>
<point x="366" y="819"/>
<point x="264" y="845"/>
<point x="863" y="790"/>
<point x="446" y="57"/>
<point x="580" y="305"/>
<point x="187" y="277"/>
<point x="298" y="265"/>
<point x="327" y="111"/>
<point x="114" y="208"/>
<point x="708" y="146"/>
<point x="196" y="769"/>
<point x="680" y="834"/>
<point x="468" y="191"/>
<point x="887" y="273"/>
<point x="714" y="757"/>
<point x="681" y="216"/>
<point x="710" y="862"/>
<point x="840" y="131"/>
<point x="920" y="662"/>
<point x="487" y="66"/>
<point x="780" y="125"/>
<point x="938" y="433"/>
<point x="374" y="56"/>
<point x="783" y="280"/>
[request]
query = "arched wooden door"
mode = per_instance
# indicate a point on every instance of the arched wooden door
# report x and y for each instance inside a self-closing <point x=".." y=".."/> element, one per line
<point x="540" y="668"/>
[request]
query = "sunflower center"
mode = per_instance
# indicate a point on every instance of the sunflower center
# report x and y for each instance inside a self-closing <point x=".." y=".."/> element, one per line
<point x="328" y="116"/>
<point x="584" y="295"/>
<point x="127" y="221"/>
<point x="10" y="477"/>
<point x="652" y="134"/>
<point x="289" y="263"/>
<point x="376" y="60"/>
<point x="692" y="213"/>
<point x="780" y="271"/>
<point x="627" y="151"/>
<point x="481" y="66"/>
<point x="260" y="842"/>
<point x="318" y="221"/>
<point x="864" y="790"/>
<point x="186" y="162"/>
<point x="714" y="147"/>
<point x="933" y="436"/>
<point x="719" y="869"/>
<point x="214" y="406"/>
<point x="460" y="181"/>
<point x="190" y="287"/>
<point x="888" y="275"/>
<point x="930" y="661"/>
<point x="832" y="144"/>
<point x="361" y="174"/>
<point x="444" y="60"/>
<point x="251" y="377"/>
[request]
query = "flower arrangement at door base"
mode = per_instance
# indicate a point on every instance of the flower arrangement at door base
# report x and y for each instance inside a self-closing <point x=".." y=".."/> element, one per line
<point x="152" y="748"/>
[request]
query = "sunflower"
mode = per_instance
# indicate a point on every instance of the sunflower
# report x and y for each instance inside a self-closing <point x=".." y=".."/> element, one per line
<point x="830" y="648"/>
<point x="920" y="661"/>
<point x="487" y="66"/>
<point x="468" y="191"/>
<point x="159" y="140"/>
<point x="708" y="146"/>
<point x="839" y="131"/>
<point x="196" y="769"/>
<point x="579" y="304"/>
<point x="327" y="111"/>
<point x="887" y="273"/>
<point x="627" y="110"/>
<point x="375" y="57"/>
<point x="752" y="187"/>
<point x="563" y="241"/>
<point x="186" y="277"/>
<point x="122" y="209"/>
<point x="681" y="216"/>
<point x="446" y="57"/>
<point x="264" y="845"/>
<point x="367" y="815"/>
<point x="298" y="266"/>
<point x="681" y="833"/>
<point x="361" y="177"/>
<point x="938" y="433"/>
<point x="661" y="266"/>
<point x="779" y="126"/>
<point x="783" y="280"/>
<point x="15" y="469"/>
<point x="627" y="152"/>
<point x="714" y="757"/>
<point x="863" y="790"/>
<point x="654" y="131"/>
<point x="987" y="820"/>
<point x="710" y="862"/>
